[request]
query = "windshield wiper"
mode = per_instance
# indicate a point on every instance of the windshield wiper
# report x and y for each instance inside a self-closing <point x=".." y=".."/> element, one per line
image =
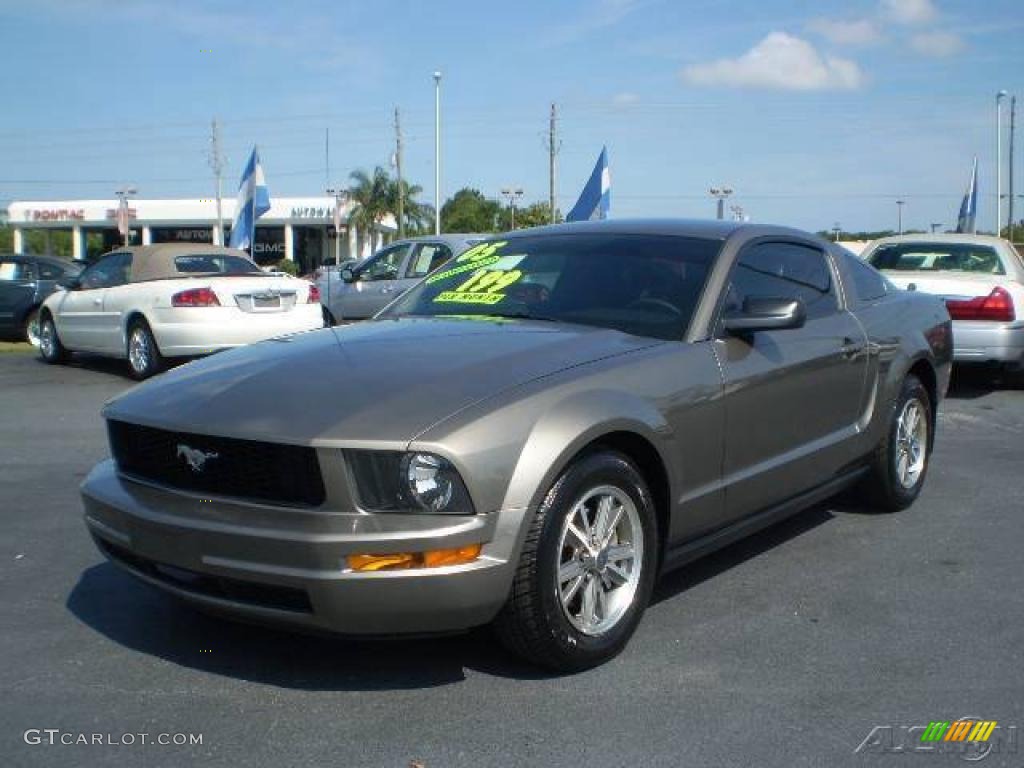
<point x="525" y="316"/>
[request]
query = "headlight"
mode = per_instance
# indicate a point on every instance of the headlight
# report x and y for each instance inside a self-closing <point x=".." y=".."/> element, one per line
<point x="390" y="481"/>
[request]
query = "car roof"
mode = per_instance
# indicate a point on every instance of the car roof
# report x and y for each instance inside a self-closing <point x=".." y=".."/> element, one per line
<point x="154" y="262"/>
<point x="927" y="237"/>
<point x="713" y="229"/>
<point x="446" y="237"/>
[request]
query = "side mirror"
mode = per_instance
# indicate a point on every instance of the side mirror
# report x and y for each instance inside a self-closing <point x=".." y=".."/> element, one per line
<point x="348" y="275"/>
<point x="766" y="315"/>
<point x="69" y="283"/>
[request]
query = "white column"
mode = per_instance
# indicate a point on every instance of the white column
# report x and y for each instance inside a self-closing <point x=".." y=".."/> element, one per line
<point x="147" y="235"/>
<point x="18" y="242"/>
<point x="353" y="241"/>
<point x="289" y="244"/>
<point x="77" y="245"/>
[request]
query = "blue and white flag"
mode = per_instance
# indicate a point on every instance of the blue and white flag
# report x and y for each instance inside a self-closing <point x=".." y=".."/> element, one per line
<point x="969" y="207"/>
<point x="596" y="198"/>
<point x="253" y="202"/>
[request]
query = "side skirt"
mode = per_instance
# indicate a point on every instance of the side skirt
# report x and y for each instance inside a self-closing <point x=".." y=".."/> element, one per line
<point x="682" y="554"/>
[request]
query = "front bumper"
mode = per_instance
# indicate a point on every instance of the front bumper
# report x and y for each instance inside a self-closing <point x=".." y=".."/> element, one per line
<point x="984" y="342"/>
<point x="288" y="565"/>
<point x="203" y="330"/>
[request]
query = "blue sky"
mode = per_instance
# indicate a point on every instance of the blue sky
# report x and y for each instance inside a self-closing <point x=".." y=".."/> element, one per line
<point x="814" y="113"/>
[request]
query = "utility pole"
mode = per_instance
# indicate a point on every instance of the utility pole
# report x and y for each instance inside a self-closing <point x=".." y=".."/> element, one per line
<point x="1013" y="129"/>
<point x="553" y="146"/>
<point x="217" y="165"/>
<point x="999" y="160"/>
<point x="398" y="172"/>
<point x="899" y="215"/>
<point x="437" y="152"/>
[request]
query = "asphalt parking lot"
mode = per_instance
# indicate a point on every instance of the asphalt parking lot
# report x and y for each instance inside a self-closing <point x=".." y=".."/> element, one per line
<point x="783" y="650"/>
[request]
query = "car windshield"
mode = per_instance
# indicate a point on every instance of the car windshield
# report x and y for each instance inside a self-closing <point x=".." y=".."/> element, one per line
<point x="215" y="263"/>
<point x="937" y="257"/>
<point x="644" y="285"/>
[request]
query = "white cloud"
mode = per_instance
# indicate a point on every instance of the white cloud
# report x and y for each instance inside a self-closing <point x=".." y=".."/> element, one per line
<point x="937" y="43"/>
<point x="599" y="15"/>
<point x="625" y="99"/>
<point x="853" y="32"/>
<point x="909" y="11"/>
<point x="780" y="61"/>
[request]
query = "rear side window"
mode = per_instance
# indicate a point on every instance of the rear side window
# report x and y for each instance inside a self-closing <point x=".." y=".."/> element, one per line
<point x="868" y="284"/>
<point x="783" y="271"/>
<point x="49" y="271"/>
<point x="15" y="270"/>
<point x="427" y="258"/>
<point x="937" y="257"/>
<point x="214" y="264"/>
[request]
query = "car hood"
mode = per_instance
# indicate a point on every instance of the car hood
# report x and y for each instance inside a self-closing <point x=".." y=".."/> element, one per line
<point x="380" y="383"/>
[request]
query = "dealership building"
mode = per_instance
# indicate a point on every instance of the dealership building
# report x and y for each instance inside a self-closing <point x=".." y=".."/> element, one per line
<point x="300" y="229"/>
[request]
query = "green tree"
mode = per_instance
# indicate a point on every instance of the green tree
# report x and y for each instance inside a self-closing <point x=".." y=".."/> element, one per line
<point x="469" y="211"/>
<point x="417" y="216"/>
<point x="532" y="215"/>
<point x="369" y="196"/>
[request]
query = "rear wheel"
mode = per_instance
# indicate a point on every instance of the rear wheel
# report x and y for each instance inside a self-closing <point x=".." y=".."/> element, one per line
<point x="50" y="348"/>
<point x="31" y="328"/>
<point x="144" y="358"/>
<point x="587" y="567"/>
<point x="900" y="462"/>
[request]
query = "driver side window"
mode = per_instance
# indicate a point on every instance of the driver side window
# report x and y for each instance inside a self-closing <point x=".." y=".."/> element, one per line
<point x="783" y="271"/>
<point x="109" y="271"/>
<point x="386" y="264"/>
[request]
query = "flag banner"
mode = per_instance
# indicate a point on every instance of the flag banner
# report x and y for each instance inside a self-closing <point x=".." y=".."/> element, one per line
<point x="122" y="216"/>
<point x="253" y="202"/>
<point x="966" y="221"/>
<point x="595" y="200"/>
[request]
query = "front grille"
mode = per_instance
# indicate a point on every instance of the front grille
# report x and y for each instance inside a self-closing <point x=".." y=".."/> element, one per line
<point x="238" y="591"/>
<point x="220" y="466"/>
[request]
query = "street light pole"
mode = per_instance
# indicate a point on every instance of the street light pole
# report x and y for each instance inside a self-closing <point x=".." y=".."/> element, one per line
<point x="999" y="160"/>
<point x="721" y="194"/>
<point x="437" y="153"/>
<point x="899" y="214"/>
<point x="340" y="196"/>
<point x="512" y="194"/>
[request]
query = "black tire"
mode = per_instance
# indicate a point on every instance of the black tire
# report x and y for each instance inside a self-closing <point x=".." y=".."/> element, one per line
<point x="50" y="348"/>
<point x="329" y="321"/>
<point x="30" y="327"/>
<point x="882" y="487"/>
<point x="144" y="360"/>
<point x="533" y="622"/>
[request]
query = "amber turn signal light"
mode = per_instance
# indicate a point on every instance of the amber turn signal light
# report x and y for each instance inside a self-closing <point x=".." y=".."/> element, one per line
<point x="434" y="558"/>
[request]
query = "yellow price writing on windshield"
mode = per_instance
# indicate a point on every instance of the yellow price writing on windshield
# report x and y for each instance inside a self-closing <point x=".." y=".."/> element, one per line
<point x="484" y="287"/>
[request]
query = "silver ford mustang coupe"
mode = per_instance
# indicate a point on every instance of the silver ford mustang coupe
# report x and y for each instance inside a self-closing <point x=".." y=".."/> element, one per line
<point x="528" y="437"/>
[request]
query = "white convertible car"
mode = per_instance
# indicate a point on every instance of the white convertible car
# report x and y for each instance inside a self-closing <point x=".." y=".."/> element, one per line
<point x="156" y="301"/>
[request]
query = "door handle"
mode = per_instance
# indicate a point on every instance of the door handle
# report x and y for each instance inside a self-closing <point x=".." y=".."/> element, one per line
<point x="851" y="348"/>
<point x="386" y="290"/>
<point x="97" y="302"/>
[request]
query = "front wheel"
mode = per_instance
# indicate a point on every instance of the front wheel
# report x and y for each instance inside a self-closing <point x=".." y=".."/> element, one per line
<point x="587" y="567"/>
<point x="144" y="358"/>
<point x="50" y="348"/>
<point x="900" y="462"/>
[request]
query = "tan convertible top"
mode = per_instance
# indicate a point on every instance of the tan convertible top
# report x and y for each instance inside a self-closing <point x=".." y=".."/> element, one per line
<point x="156" y="262"/>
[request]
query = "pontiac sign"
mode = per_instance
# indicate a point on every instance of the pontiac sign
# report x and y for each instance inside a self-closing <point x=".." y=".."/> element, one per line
<point x="55" y="214"/>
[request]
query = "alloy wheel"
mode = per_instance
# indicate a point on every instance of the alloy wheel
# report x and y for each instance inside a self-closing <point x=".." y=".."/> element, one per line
<point x="600" y="557"/>
<point x="911" y="443"/>
<point x="48" y="339"/>
<point x="33" y="332"/>
<point x="139" y="353"/>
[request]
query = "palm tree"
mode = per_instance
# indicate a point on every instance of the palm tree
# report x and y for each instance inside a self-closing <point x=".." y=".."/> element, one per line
<point x="416" y="215"/>
<point x="369" y="196"/>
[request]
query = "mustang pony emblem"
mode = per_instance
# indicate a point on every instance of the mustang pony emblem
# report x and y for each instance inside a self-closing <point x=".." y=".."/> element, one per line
<point x="195" y="458"/>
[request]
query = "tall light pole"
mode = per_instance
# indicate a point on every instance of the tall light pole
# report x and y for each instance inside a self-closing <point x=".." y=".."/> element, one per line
<point x="123" y="222"/>
<point x="340" y="198"/>
<point x="437" y="153"/>
<point x="837" y="229"/>
<point x="512" y="194"/>
<point x="721" y="194"/>
<point x="899" y="215"/>
<point x="999" y="160"/>
<point x="935" y="226"/>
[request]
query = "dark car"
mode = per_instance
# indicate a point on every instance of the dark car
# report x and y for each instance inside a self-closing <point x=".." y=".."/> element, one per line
<point x="25" y="281"/>
<point x="529" y="436"/>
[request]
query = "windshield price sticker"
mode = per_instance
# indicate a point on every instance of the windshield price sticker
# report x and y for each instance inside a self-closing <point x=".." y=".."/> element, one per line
<point x="485" y="287"/>
<point x="477" y="257"/>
